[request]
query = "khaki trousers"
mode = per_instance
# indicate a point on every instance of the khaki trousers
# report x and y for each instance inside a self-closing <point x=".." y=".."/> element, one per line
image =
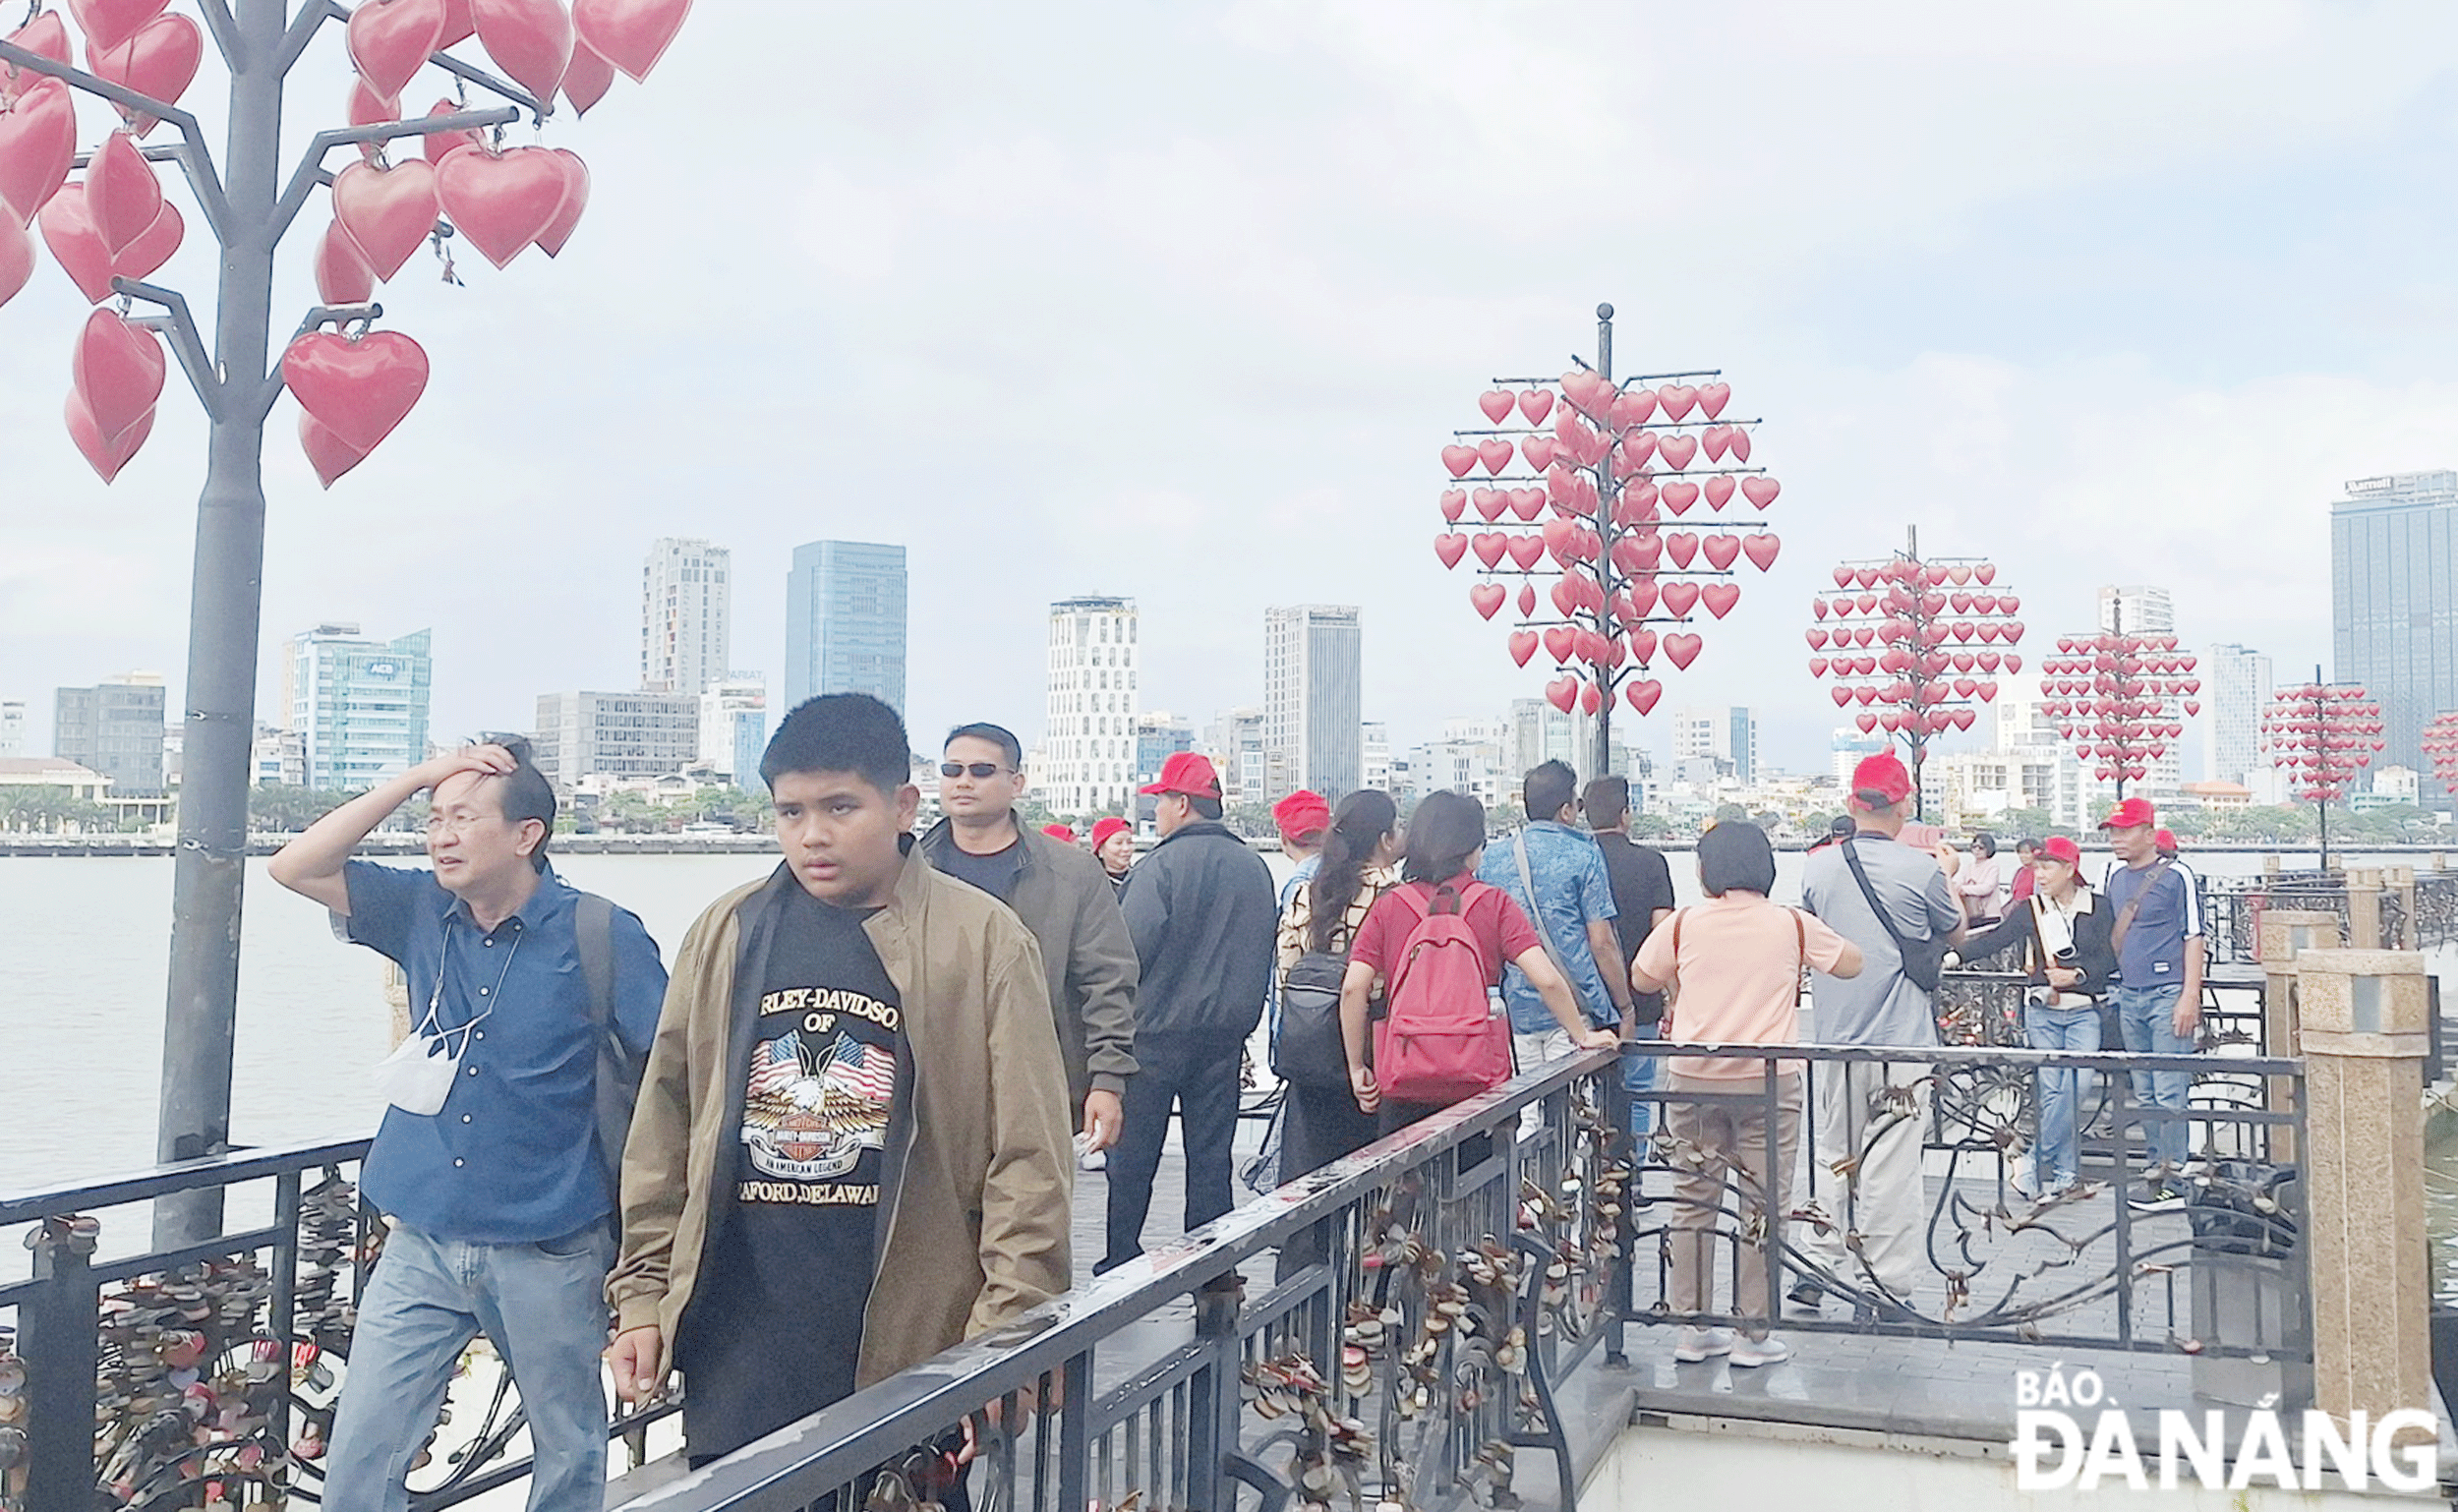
<point x="1720" y="1145"/>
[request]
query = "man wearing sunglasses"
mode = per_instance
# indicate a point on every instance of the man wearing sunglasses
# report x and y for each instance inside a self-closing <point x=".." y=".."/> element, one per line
<point x="1066" y="899"/>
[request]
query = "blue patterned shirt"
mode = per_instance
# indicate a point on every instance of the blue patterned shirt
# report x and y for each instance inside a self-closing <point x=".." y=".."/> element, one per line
<point x="1572" y="890"/>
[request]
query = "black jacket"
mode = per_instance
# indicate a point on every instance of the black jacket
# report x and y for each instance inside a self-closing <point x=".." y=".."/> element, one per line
<point x="2094" y="954"/>
<point x="1203" y="916"/>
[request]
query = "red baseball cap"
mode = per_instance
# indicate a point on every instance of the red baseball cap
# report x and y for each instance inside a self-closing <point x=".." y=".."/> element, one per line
<point x="1060" y="831"/>
<point x="2058" y="848"/>
<point x="2165" y="840"/>
<point x="1189" y="774"/>
<point x="1880" y="782"/>
<point x="1104" y="828"/>
<point x="1302" y="815"/>
<point x="2132" y="814"/>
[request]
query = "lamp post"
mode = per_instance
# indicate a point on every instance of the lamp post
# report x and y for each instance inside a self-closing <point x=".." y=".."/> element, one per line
<point x="2321" y="735"/>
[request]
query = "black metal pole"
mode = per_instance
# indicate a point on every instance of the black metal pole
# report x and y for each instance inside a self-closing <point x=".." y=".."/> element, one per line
<point x="201" y="1009"/>
<point x="1606" y="495"/>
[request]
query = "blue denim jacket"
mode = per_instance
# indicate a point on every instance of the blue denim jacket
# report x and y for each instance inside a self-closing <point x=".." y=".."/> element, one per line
<point x="1572" y="888"/>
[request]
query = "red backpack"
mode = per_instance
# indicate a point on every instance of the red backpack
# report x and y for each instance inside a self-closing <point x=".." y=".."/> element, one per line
<point x="1442" y="1041"/>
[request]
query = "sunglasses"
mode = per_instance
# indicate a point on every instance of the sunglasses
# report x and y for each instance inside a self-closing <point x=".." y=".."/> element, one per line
<point x="976" y="769"/>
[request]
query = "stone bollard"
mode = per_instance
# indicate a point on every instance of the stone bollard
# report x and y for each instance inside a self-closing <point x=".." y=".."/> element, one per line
<point x="2270" y="864"/>
<point x="2401" y="880"/>
<point x="2363" y="1040"/>
<point x="2285" y="934"/>
<point x="2364" y="907"/>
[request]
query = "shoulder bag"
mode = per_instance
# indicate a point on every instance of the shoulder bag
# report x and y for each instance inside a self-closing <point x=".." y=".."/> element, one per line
<point x="1922" y="959"/>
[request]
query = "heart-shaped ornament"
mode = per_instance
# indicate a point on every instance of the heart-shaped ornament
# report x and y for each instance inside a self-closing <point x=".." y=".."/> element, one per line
<point x="587" y="78"/>
<point x="328" y="454"/>
<point x="1761" y="548"/>
<point x="575" y="200"/>
<point x="1682" y="548"/>
<point x="1713" y="397"/>
<point x="1455" y="503"/>
<point x="118" y="373"/>
<point x="160" y="62"/>
<point x="1562" y="692"/>
<point x="1722" y="551"/>
<point x="1523" y="645"/>
<point x="531" y="41"/>
<point x="70" y="234"/>
<point x="1495" y="403"/>
<point x="359" y="389"/>
<point x="389" y="212"/>
<point x="17" y="259"/>
<point x="1560" y="642"/>
<point x="1486" y="597"/>
<point x="1683" y="649"/>
<point x="1457" y="460"/>
<point x="1490" y="546"/>
<point x="435" y="147"/>
<point x="368" y="108"/>
<point x="503" y="201"/>
<point x="38" y="143"/>
<point x="1642" y="693"/>
<point x="632" y="34"/>
<point x="1535" y="404"/>
<point x="47" y="34"/>
<point x="106" y="459"/>
<point x="1677" y="451"/>
<point x="343" y="276"/>
<point x="109" y="22"/>
<point x="1718" y="597"/>
<point x="1450" y="547"/>
<point x="1760" y="491"/>
<point x="1591" y="698"/>
<point x="1679" y="598"/>
<point x="1527" y="550"/>
<point x="390" y="40"/>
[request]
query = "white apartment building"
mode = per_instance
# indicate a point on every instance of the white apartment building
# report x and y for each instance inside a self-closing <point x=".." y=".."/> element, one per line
<point x="733" y="727"/>
<point x="617" y="735"/>
<point x="686" y="609"/>
<point x="1088" y="747"/>
<point x="1375" y="741"/>
<point x="2236" y="689"/>
<point x="12" y="726"/>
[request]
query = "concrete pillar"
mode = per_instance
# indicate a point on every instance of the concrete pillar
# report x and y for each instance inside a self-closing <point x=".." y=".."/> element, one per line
<point x="2283" y="935"/>
<point x="2364" y="907"/>
<point x="2270" y="864"/>
<point x="2362" y="1039"/>
<point x="2401" y="880"/>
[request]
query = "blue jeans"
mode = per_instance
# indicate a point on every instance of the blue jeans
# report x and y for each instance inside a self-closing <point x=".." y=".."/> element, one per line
<point x="2147" y="1017"/>
<point x="1640" y="1074"/>
<point x="2056" y="1156"/>
<point x="545" y="1307"/>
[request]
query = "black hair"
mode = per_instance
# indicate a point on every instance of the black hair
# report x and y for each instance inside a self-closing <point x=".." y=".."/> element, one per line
<point x="841" y="732"/>
<point x="1445" y="830"/>
<point x="1735" y="855"/>
<point x="997" y="734"/>
<point x="1204" y="808"/>
<point x="1608" y="799"/>
<point x="2026" y="844"/>
<point x="1358" y="826"/>
<point x="526" y="792"/>
<point x="1984" y="843"/>
<point x="1548" y="787"/>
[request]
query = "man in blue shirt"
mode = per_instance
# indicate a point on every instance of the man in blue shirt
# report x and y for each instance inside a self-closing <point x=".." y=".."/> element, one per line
<point x="1556" y="875"/>
<point x="500" y="1196"/>
<point x="2158" y="937"/>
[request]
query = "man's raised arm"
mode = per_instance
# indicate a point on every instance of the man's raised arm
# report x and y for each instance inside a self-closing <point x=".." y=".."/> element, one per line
<point x="312" y="865"/>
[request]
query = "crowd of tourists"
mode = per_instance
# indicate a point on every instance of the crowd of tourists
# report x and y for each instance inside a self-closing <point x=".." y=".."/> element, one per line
<point x="841" y="1131"/>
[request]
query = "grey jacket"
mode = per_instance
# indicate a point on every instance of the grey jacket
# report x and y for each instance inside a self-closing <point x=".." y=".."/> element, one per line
<point x="1064" y="898"/>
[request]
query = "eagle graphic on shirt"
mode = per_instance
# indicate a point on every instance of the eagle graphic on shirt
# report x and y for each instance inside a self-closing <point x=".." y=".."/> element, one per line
<point x="813" y="1105"/>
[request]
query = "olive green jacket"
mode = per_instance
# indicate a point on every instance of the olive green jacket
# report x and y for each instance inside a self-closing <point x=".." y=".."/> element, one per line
<point x="974" y="1214"/>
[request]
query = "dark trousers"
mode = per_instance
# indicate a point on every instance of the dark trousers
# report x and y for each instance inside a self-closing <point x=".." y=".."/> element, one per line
<point x="1318" y="1125"/>
<point x="1199" y="1079"/>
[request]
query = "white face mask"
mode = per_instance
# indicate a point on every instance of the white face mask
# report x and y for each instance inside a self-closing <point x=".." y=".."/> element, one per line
<point x="418" y="1076"/>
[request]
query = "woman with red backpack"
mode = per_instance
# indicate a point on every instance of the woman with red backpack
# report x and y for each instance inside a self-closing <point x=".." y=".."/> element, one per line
<point x="1731" y="968"/>
<point x="1436" y="945"/>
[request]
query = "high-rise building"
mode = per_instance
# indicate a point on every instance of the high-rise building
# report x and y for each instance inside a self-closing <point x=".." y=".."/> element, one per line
<point x="12" y="726"/>
<point x="1159" y="736"/>
<point x="114" y="727"/>
<point x="687" y="616"/>
<point x="1313" y="698"/>
<point x="358" y="706"/>
<point x="2236" y="689"/>
<point x="1741" y="743"/>
<point x="1090" y="742"/>
<point x="615" y="734"/>
<point x="1375" y="748"/>
<point x="1236" y="745"/>
<point x="2394" y="603"/>
<point x="1728" y="737"/>
<point x="1538" y="732"/>
<point x="844" y="623"/>
<point x="733" y="727"/>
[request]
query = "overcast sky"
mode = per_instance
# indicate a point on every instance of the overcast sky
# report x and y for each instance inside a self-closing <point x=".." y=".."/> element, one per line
<point x="1181" y="302"/>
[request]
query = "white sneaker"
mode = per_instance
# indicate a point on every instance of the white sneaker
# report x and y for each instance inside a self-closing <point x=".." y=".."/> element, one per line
<point x="1756" y="1352"/>
<point x="1697" y="1344"/>
<point x="1093" y="1160"/>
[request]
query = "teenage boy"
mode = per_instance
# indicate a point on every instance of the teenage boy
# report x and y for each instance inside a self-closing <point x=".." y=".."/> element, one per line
<point x="852" y="1147"/>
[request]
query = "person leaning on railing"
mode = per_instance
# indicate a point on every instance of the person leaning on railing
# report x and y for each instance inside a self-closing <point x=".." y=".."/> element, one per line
<point x="2063" y="932"/>
<point x="1732" y="966"/>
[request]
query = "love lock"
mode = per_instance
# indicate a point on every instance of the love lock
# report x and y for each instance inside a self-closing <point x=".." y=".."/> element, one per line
<point x="12" y="1446"/>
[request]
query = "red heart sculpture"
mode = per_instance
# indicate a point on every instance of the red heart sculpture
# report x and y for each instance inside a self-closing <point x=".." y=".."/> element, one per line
<point x="38" y="143"/>
<point x="1678" y="496"/>
<point x="1677" y="451"/>
<point x="360" y="390"/>
<point x="1459" y="459"/>
<point x="1720" y="598"/>
<point x="47" y="34"/>
<point x="1527" y="503"/>
<point x="1715" y="441"/>
<point x="587" y="78"/>
<point x="1712" y="398"/>
<point x="503" y="201"/>
<point x="73" y="244"/>
<point x="1632" y="407"/>
<point x="1988" y="691"/>
<point x="1495" y="402"/>
<point x="1841" y="695"/>
<point x="328" y="454"/>
<point x="1637" y="449"/>
<point x="1986" y="572"/>
<point x="1559" y="641"/>
<point x="1760" y="491"/>
<point x="1641" y="594"/>
<point x="633" y="35"/>
<point x="1679" y="598"/>
<point x="1681" y="546"/>
<point x="1527" y="550"/>
<point x="106" y="459"/>
<point x="343" y="276"/>
<point x="2191" y="708"/>
<point x="1719" y="492"/>
<point x="460" y="23"/>
<point x="1523" y="645"/>
<point x="1817" y="666"/>
<point x="531" y="41"/>
<point x="1591" y="698"/>
<point x="368" y="108"/>
<point x="1535" y="404"/>
<point x="1488" y="547"/>
<point x="1539" y="450"/>
<point x="386" y="211"/>
<point x="118" y="373"/>
<point x="1495" y="452"/>
<point x="1566" y="595"/>
<point x="1455" y="503"/>
<point x="17" y="259"/>
<point x="1450" y="547"/>
<point x="435" y="147"/>
<point x="1486" y="597"/>
<point x="1557" y="536"/>
<point x="1676" y="399"/>
<point x="1527" y="600"/>
<point x="1816" y="635"/>
<point x="109" y="22"/>
<point x="1490" y="502"/>
<point x="1866" y="722"/>
<point x="1643" y="692"/>
<point x="1642" y="645"/>
<point x="1562" y="692"/>
<point x="1682" y="650"/>
<point x="158" y="62"/>
<point x="575" y="200"/>
<point x="1761" y="548"/>
<point x="1737" y="445"/>
<point x="389" y="41"/>
<point x="1722" y="551"/>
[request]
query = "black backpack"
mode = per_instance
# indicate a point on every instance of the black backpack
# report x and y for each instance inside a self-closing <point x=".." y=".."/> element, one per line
<point x="619" y="1067"/>
<point x="1309" y="1050"/>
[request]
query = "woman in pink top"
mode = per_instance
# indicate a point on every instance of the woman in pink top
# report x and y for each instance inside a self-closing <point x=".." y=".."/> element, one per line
<point x="1734" y="965"/>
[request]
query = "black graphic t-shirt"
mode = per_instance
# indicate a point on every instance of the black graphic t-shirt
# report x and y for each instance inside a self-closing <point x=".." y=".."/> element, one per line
<point x="776" y="1323"/>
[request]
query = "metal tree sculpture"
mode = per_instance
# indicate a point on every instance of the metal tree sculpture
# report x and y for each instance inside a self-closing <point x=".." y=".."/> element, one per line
<point x="1614" y="461"/>
<point x="112" y="228"/>
<point x="2116" y="696"/>
<point x="2321" y="735"/>
<point x="1918" y="646"/>
<point x="2440" y="748"/>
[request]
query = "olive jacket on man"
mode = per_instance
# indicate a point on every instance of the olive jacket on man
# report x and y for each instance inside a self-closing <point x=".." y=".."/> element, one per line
<point x="974" y="1214"/>
<point x="1067" y="900"/>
